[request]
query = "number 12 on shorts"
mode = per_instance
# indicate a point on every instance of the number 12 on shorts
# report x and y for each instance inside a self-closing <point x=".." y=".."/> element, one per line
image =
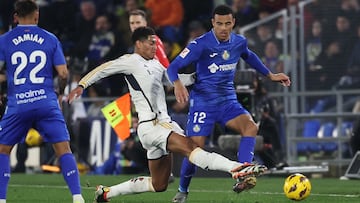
<point x="199" y="117"/>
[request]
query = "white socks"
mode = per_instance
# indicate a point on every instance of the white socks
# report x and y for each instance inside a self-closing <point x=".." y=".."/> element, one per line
<point x="199" y="157"/>
<point x="211" y="161"/>
<point x="135" y="185"/>
<point x="78" y="199"/>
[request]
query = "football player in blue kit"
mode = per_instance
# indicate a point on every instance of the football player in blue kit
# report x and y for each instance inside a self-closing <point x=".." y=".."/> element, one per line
<point x="31" y="55"/>
<point x="213" y="98"/>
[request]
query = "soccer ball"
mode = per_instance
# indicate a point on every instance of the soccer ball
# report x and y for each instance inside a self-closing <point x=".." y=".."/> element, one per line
<point x="297" y="187"/>
<point x="33" y="138"/>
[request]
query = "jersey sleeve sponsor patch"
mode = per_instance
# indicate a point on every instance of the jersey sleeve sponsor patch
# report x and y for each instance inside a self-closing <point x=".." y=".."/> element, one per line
<point x="184" y="53"/>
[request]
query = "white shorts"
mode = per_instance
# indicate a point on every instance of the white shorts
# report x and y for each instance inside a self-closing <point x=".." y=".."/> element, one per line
<point x="154" y="137"/>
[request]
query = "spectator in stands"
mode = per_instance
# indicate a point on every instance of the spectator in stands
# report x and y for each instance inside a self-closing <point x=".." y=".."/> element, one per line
<point x="351" y="79"/>
<point x="314" y="43"/>
<point x="122" y="13"/>
<point x="272" y="57"/>
<point x="263" y="13"/>
<point x="85" y="20"/>
<point x="279" y="29"/>
<point x="350" y="8"/>
<point x="342" y="33"/>
<point x="100" y="45"/>
<point x="327" y="68"/>
<point x="105" y="44"/>
<point x="274" y="61"/>
<point x="166" y="17"/>
<point x="6" y="11"/>
<point x="58" y="17"/>
<point x="264" y="33"/>
<point x="245" y="13"/>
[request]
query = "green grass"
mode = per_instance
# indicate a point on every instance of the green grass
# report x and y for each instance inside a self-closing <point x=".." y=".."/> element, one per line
<point x="51" y="188"/>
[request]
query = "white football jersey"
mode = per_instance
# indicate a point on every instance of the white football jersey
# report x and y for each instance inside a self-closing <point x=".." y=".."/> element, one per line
<point x="145" y="79"/>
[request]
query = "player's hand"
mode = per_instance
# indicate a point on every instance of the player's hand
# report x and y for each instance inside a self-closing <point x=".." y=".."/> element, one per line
<point x="280" y="77"/>
<point x="75" y="93"/>
<point x="180" y="91"/>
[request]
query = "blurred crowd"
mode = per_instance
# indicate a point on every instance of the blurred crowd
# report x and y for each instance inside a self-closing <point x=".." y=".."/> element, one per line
<point x="95" y="31"/>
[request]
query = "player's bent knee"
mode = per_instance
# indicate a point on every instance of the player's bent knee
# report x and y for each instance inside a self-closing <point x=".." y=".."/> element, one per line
<point x="160" y="188"/>
<point x="252" y="130"/>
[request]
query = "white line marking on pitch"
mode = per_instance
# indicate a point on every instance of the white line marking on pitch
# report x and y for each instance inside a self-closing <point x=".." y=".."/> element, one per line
<point x="172" y="190"/>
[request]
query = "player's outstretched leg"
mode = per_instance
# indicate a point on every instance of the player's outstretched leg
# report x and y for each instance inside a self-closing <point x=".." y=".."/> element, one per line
<point x="180" y="197"/>
<point x="101" y="194"/>
<point x="246" y="176"/>
<point x="247" y="169"/>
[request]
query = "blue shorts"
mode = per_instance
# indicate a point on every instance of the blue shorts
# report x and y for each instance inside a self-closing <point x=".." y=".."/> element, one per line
<point x="201" y="119"/>
<point x="50" y="122"/>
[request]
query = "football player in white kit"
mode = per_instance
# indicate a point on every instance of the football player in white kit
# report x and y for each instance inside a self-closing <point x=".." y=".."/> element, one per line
<point x="159" y="135"/>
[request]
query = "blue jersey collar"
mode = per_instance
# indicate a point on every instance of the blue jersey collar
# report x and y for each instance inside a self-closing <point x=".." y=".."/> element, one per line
<point x="230" y="37"/>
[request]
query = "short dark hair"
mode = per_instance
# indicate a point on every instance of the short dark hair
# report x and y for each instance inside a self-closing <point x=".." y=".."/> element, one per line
<point x="138" y="12"/>
<point x="24" y="8"/>
<point x="142" y="33"/>
<point x="223" y="10"/>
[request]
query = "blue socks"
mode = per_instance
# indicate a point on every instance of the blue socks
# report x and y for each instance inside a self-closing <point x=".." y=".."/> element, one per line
<point x="187" y="171"/>
<point x="246" y="149"/>
<point x="70" y="173"/>
<point x="4" y="174"/>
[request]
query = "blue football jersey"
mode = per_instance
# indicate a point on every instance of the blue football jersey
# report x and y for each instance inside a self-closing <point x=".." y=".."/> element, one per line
<point x="30" y="54"/>
<point x="216" y="64"/>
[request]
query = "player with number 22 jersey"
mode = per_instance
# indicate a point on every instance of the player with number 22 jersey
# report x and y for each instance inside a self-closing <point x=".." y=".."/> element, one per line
<point x="30" y="58"/>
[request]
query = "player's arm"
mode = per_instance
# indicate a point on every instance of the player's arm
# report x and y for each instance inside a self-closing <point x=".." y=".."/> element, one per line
<point x="186" y="79"/>
<point x="104" y="70"/>
<point x="190" y="54"/>
<point x="63" y="75"/>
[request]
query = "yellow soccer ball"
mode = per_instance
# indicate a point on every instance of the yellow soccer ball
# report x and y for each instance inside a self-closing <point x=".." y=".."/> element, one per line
<point x="33" y="138"/>
<point x="297" y="187"/>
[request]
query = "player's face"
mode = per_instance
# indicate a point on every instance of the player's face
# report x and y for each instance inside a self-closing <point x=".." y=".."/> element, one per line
<point x="147" y="48"/>
<point x="136" y="21"/>
<point x="223" y="25"/>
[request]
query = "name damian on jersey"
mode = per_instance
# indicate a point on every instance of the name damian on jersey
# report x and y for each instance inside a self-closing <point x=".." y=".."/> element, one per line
<point x="28" y="37"/>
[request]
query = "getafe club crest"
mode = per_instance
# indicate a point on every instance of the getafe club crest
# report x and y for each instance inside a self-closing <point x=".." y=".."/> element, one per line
<point x="196" y="128"/>
<point x="225" y="55"/>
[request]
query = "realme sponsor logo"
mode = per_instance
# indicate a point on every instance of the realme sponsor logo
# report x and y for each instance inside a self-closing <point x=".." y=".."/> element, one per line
<point x="30" y="96"/>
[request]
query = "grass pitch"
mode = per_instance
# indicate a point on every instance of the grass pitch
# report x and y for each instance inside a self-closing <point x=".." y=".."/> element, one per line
<point x="38" y="188"/>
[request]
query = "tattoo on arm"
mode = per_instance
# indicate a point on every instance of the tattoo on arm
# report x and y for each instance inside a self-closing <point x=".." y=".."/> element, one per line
<point x="62" y="84"/>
